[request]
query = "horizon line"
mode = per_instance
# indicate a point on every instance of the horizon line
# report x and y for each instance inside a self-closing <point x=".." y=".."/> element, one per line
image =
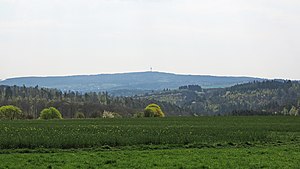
<point x="129" y="72"/>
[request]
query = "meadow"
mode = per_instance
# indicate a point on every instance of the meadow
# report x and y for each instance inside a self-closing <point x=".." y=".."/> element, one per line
<point x="172" y="142"/>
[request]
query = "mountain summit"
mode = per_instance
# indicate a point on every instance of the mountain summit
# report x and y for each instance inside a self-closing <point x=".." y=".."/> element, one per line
<point x="141" y="81"/>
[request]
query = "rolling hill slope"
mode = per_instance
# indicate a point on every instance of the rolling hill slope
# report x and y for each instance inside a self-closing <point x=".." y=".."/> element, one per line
<point x="127" y="83"/>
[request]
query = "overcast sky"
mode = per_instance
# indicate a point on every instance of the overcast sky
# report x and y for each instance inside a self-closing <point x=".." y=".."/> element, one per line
<point x="258" y="38"/>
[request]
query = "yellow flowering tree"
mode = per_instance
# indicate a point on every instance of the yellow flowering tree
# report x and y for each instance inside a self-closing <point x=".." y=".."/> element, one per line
<point x="10" y="112"/>
<point x="50" y="113"/>
<point x="153" y="110"/>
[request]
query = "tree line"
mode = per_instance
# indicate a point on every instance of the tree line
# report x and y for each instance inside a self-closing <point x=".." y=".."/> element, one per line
<point x="32" y="100"/>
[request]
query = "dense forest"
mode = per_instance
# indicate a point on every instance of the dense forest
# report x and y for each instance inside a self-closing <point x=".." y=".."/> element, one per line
<point x="276" y="97"/>
<point x="32" y="100"/>
<point x="255" y="98"/>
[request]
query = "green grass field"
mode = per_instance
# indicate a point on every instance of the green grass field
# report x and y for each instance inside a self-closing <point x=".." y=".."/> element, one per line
<point x="251" y="157"/>
<point x="178" y="142"/>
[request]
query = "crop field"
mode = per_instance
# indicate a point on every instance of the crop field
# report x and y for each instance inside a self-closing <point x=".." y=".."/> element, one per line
<point x="174" y="142"/>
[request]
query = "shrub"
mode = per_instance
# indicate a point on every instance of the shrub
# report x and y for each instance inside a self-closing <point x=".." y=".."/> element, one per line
<point x="153" y="110"/>
<point x="139" y="115"/>
<point x="108" y="114"/>
<point x="79" y="115"/>
<point x="10" y="112"/>
<point x="50" y="113"/>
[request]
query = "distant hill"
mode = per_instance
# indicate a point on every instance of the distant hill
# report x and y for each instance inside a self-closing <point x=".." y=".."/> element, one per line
<point x="127" y="83"/>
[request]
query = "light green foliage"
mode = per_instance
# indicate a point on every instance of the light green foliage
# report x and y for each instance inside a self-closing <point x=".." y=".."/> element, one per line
<point x="10" y="112"/>
<point x="50" y="113"/>
<point x="108" y="114"/>
<point x="153" y="110"/>
<point x="79" y="115"/>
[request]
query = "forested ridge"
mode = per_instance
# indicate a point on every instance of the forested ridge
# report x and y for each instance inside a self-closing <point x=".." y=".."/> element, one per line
<point x="273" y="97"/>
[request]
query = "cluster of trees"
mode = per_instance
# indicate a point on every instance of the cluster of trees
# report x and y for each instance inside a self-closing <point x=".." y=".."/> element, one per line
<point x="191" y="87"/>
<point x="256" y="98"/>
<point x="267" y="97"/>
<point x="152" y="110"/>
<point x="12" y="112"/>
<point x="32" y="100"/>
